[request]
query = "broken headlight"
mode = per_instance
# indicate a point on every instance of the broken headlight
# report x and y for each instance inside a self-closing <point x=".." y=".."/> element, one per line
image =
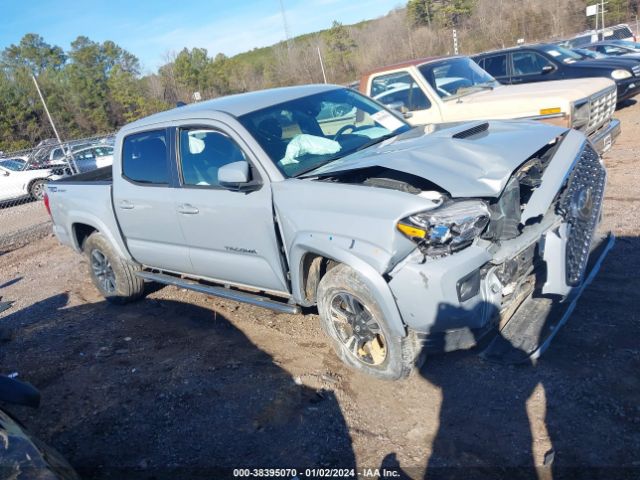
<point x="448" y="228"/>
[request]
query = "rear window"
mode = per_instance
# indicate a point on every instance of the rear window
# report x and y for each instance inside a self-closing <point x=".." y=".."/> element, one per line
<point x="144" y="158"/>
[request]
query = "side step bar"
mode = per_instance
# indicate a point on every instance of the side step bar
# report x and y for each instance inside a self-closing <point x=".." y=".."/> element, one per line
<point x="221" y="292"/>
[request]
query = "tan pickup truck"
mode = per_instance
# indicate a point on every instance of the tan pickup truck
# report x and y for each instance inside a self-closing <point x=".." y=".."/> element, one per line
<point x="454" y="89"/>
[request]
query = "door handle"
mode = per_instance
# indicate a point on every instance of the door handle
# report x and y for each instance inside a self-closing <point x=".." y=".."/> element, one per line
<point x="126" y="205"/>
<point x="187" y="209"/>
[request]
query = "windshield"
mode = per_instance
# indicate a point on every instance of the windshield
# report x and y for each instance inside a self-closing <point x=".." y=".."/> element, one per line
<point x="302" y="134"/>
<point x="561" y="53"/>
<point x="15" y="164"/>
<point x="455" y="77"/>
<point x="588" y="53"/>
<point x="627" y="43"/>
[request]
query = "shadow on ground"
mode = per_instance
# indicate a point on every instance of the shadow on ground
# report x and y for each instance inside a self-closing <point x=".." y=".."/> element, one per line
<point x="587" y="379"/>
<point x="163" y="389"/>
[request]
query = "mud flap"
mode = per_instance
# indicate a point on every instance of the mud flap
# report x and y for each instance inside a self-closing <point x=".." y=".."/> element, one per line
<point x="532" y="327"/>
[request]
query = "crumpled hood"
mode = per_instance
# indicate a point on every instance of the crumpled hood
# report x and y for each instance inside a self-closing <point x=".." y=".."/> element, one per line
<point x="477" y="166"/>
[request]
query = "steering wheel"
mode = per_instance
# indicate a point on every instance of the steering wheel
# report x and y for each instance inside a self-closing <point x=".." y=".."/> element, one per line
<point x="343" y="129"/>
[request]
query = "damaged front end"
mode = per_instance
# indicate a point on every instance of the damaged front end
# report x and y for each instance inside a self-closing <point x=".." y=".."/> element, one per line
<point x="518" y="268"/>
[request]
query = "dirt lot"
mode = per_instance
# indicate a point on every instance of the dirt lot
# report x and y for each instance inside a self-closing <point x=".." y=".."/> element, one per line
<point x="180" y="384"/>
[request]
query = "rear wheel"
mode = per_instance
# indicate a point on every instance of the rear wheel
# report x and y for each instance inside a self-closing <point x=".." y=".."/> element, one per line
<point x="111" y="274"/>
<point x="353" y="320"/>
<point x="36" y="189"/>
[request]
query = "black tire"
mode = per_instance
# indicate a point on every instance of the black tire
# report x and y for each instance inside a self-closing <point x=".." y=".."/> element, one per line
<point x="400" y="353"/>
<point x="37" y="188"/>
<point x="123" y="286"/>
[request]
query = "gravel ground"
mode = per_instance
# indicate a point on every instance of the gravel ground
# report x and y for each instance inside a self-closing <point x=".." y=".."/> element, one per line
<point x="180" y="383"/>
<point x="22" y="222"/>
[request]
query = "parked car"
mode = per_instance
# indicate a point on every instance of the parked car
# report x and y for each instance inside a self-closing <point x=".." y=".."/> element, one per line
<point x="92" y="157"/>
<point x="22" y="455"/>
<point x="453" y="89"/>
<point x="614" y="50"/>
<point x="20" y="179"/>
<point x="617" y="32"/>
<point x="547" y="62"/>
<point x="405" y="238"/>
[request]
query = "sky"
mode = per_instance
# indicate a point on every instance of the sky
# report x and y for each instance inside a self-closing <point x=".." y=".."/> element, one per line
<point x="151" y="29"/>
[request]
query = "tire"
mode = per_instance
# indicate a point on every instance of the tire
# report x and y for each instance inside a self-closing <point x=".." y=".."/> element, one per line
<point x="36" y="189"/>
<point x="118" y="282"/>
<point x="386" y="356"/>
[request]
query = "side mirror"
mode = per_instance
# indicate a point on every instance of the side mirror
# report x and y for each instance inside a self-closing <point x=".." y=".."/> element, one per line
<point x="547" y="69"/>
<point x="236" y="176"/>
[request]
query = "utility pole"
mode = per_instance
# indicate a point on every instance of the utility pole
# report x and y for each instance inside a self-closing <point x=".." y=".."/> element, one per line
<point x="324" y="75"/>
<point x="602" y="2"/>
<point x="53" y="125"/>
<point x="287" y="34"/>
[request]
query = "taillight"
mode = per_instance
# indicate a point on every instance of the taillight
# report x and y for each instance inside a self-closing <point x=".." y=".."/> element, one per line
<point x="46" y="203"/>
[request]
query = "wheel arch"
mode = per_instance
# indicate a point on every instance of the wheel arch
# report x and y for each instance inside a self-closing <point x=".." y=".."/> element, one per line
<point x="82" y="225"/>
<point x="310" y="260"/>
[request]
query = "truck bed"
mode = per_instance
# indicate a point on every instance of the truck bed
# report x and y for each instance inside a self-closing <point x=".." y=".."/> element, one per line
<point x="84" y="201"/>
<point x="99" y="175"/>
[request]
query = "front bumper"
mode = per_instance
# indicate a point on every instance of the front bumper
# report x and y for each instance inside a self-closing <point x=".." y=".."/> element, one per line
<point x="604" y="138"/>
<point x="428" y="293"/>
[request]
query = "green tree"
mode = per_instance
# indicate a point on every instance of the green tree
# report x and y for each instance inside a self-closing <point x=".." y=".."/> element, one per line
<point x="340" y="49"/>
<point x="420" y="12"/>
<point x="34" y="54"/>
<point x="192" y="68"/>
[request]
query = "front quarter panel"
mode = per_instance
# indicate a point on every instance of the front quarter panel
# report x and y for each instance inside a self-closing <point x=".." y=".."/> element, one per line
<point x="351" y="224"/>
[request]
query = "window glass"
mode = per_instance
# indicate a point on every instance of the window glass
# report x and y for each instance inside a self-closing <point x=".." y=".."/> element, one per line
<point x="400" y="90"/>
<point x="455" y="77"/>
<point x="496" y="65"/>
<point x="528" y="63"/>
<point x="85" y="155"/>
<point x="13" y="164"/>
<point x="144" y="158"/>
<point x="203" y="152"/>
<point x="302" y="134"/>
<point x="103" y="151"/>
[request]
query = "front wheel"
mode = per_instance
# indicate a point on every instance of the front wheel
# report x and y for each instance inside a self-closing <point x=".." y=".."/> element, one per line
<point x="354" y="322"/>
<point x="111" y="274"/>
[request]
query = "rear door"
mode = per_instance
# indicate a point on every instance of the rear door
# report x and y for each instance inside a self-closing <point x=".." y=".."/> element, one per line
<point x="232" y="236"/>
<point x="144" y="203"/>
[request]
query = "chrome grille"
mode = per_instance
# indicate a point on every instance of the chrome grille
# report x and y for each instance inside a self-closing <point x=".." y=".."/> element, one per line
<point x="580" y="205"/>
<point x="602" y="106"/>
<point x="636" y="70"/>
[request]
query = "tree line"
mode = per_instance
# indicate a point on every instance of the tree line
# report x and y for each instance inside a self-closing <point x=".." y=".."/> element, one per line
<point x="95" y="88"/>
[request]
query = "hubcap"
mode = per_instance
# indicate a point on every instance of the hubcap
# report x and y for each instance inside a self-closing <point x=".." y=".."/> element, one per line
<point x="37" y="190"/>
<point x="357" y="329"/>
<point x="102" y="271"/>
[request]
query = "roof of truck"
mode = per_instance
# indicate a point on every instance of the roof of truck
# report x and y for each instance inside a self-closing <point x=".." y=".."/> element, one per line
<point x="235" y="105"/>
<point x="406" y="63"/>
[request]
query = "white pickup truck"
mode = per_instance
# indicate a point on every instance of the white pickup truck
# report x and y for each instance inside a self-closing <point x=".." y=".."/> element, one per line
<point x="406" y="240"/>
<point x="455" y="89"/>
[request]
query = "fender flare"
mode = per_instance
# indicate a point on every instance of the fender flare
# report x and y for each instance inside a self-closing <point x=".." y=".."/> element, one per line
<point x="373" y="279"/>
<point x="93" y="221"/>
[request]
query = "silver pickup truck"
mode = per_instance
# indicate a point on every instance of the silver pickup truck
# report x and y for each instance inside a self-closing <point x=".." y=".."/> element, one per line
<point x="407" y="240"/>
